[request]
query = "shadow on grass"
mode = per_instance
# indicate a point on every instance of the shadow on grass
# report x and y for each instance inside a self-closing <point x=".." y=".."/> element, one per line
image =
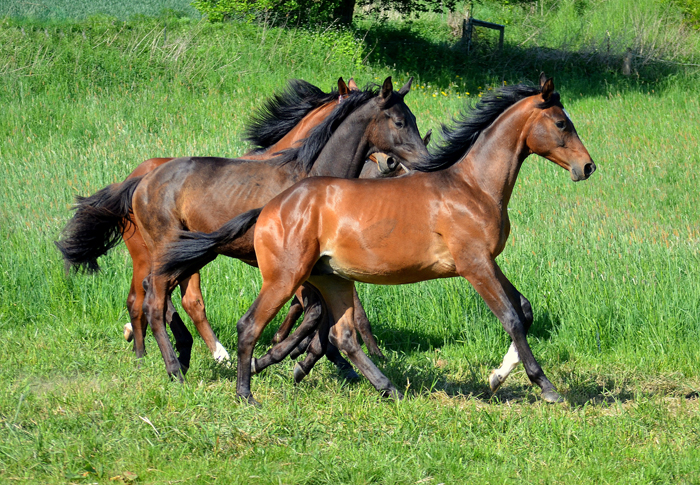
<point x="439" y="63"/>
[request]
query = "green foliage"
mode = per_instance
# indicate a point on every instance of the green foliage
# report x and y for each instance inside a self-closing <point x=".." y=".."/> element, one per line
<point x="279" y="12"/>
<point x="690" y="9"/>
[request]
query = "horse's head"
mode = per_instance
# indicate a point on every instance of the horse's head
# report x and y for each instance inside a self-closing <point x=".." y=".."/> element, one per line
<point x="381" y="165"/>
<point x="393" y="130"/>
<point x="552" y="135"/>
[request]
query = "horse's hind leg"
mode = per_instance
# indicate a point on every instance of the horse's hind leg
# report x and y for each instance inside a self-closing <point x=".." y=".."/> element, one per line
<point x="271" y="298"/>
<point x="183" y="337"/>
<point x="193" y="303"/>
<point x="511" y="359"/>
<point x="504" y="301"/>
<point x="338" y="295"/>
<point x="295" y="311"/>
<point x="154" y="306"/>
<point x="363" y="326"/>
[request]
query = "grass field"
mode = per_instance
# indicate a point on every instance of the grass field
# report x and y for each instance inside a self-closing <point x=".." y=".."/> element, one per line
<point x="610" y="266"/>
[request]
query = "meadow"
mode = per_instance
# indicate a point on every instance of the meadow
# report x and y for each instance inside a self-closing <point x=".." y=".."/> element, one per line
<point x="610" y="266"/>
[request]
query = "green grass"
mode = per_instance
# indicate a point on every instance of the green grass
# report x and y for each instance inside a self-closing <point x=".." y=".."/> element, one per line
<point x="609" y="264"/>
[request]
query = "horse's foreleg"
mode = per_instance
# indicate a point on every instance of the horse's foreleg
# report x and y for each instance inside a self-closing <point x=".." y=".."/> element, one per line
<point x="315" y="349"/>
<point x="504" y="301"/>
<point x="313" y="313"/>
<point x="193" y="304"/>
<point x="364" y="327"/>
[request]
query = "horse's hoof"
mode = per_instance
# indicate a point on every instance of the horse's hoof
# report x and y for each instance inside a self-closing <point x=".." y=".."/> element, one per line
<point x="375" y="352"/>
<point x="250" y="400"/>
<point x="299" y="373"/>
<point x="394" y="394"/>
<point x="253" y="369"/>
<point x="550" y="395"/>
<point x="178" y="374"/>
<point x="350" y="375"/>
<point x="128" y="332"/>
<point x="495" y="381"/>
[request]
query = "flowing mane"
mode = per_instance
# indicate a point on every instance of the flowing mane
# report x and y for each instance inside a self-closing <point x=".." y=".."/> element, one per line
<point x="459" y="138"/>
<point x="284" y="111"/>
<point x="305" y="155"/>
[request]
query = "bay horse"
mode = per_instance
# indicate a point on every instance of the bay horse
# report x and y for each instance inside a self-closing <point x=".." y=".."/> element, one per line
<point x="282" y="123"/>
<point x="452" y="221"/>
<point x="202" y="193"/>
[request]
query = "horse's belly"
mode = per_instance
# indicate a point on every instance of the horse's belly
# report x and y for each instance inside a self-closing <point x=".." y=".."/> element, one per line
<point x="378" y="269"/>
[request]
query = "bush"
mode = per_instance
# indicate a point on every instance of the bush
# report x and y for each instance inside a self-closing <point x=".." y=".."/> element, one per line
<point x="273" y="11"/>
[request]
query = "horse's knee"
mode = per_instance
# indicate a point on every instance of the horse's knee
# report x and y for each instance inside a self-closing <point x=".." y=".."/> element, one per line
<point x="192" y="303"/>
<point x="345" y="339"/>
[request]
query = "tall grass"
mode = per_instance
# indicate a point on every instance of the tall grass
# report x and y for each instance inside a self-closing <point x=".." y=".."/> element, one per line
<point x="609" y="264"/>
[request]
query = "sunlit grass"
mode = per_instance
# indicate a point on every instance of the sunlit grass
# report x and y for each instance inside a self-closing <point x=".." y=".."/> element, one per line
<point x="609" y="264"/>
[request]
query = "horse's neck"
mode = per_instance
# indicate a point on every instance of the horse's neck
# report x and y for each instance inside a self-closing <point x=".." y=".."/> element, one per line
<point x="344" y="153"/>
<point x="297" y="134"/>
<point x="494" y="161"/>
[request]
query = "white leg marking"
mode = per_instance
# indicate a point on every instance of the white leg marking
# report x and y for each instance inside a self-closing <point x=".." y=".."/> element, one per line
<point x="510" y="362"/>
<point x="220" y="354"/>
<point x="128" y="332"/>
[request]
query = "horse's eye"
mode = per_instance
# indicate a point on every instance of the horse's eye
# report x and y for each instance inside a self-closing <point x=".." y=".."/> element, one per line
<point x="399" y="124"/>
<point x="561" y="124"/>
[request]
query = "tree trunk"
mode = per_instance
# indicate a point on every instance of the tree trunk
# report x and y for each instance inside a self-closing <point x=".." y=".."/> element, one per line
<point x="344" y="11"/>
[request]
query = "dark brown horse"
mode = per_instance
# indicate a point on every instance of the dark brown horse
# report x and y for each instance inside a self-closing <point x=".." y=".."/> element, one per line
<point x="202" y="193"/>
<point x="285" y="120"/>
<point x="452" y="221"/>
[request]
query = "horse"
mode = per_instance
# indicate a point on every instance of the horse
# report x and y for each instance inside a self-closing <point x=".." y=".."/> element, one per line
<point x="202" y="193"/>
<point x="452" y="221"/>
<point x="283" y="122"/>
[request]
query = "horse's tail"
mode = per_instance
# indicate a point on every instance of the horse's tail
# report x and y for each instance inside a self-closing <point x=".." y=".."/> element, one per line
<point x="194" y="250"/>
<point x="97" y="225"/>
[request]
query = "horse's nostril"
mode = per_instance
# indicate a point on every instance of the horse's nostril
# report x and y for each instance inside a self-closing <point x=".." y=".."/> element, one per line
<point x="588" y="169"/>
<point x="392" y="163"/>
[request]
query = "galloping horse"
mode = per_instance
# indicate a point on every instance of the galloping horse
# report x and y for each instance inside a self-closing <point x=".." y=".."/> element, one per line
<point x="202" y="193"/>
<point x="284" y="121"/>
<point x="452" y="221"/>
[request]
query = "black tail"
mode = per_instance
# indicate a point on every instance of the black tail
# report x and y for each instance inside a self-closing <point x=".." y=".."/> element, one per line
<point x="97" y="225"/>
<point x="195" y="249"/>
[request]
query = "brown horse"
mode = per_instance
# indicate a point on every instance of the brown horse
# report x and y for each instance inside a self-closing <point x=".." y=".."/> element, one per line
<point x="452" y="221"/>
<point x="302" y="107"/>
<point x="202" y="193"/>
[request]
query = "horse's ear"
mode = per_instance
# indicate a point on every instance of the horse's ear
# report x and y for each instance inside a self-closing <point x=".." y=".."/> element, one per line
<point x="406" y="87"/>
<point x="342" y="87"/>
<point x="387" y="88"/>
<point x="547" y="89"/>
<point x="352" y="85"/>
<point x="543" y="79"/>
<point x="426" y="138"/>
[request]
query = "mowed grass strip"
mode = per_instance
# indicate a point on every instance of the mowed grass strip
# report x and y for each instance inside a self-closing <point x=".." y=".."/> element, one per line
<point x="609" y="265"/>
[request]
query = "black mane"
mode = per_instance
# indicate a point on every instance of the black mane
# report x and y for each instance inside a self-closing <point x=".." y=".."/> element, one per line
<point x="457" y="140"/>
<point x="284" y="111"/>
<point x="305" y="155"/>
